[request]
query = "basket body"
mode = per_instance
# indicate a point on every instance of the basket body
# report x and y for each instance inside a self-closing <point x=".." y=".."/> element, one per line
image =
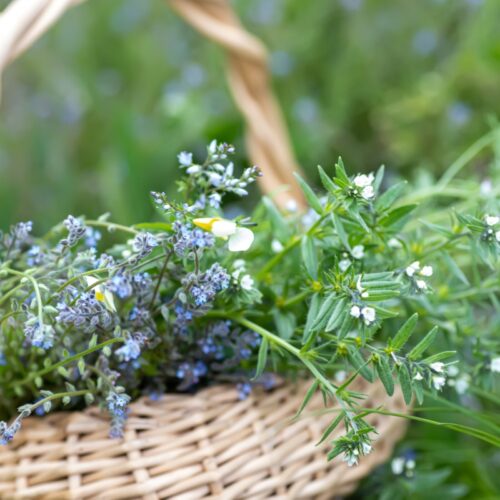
<point x="210" y="445"/>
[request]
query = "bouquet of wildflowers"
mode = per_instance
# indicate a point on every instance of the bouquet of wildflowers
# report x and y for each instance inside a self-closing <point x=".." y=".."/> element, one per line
<point x="374" y="280"/>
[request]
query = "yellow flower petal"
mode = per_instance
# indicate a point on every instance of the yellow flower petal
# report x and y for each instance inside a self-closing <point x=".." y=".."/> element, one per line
<point x="206" y="222"/>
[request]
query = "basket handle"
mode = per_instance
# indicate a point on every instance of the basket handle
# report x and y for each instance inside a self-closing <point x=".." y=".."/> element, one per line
<point x="267" y="139"/>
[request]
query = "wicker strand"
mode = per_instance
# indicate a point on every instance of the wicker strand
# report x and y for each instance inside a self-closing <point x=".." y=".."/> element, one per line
<point x="268" y="143"/>
<point x="211" y="445"/>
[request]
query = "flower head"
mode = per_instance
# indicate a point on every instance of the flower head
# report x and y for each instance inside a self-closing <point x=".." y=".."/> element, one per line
<point x="239" y="238"/>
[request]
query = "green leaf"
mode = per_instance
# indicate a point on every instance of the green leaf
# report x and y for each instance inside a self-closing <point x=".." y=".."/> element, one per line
<point x="380" y="295"/>
<point x="404" y="333"/>
<point x="262" y="358"/>
<point x="439" y="356"/>
<point x="310" y="256"/>
<point x="336" y="316"/>
<point x="285" y="323"/>
<point x="47" y="406"/>
<point x="331" y="427"/>
<point x="62" y="371"/>
<point x="311" y="198"/>
<point x="81" y="366"/>
<point x="324" y="312"/>
<point x="346" y="326"/>
<point x="326" y="181"/>
<point x="387" y="199"/>
<point x="359" y="363"/>
<point x="309" y="394"/>
<point x="422" y="346"/>
<point x="396" y="215"/>
<point x="339" y="227"/>
<point x="384" y="372"/>
<point x="453" y="267"/>
<point x="405" y="382"/>
<point x="66" y="400"/>
<point x="341" y="178"/>
<point x="311" y="315"/>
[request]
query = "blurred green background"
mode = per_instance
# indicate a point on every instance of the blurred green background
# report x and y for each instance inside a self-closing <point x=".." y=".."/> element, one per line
<point x="94" y="115"/>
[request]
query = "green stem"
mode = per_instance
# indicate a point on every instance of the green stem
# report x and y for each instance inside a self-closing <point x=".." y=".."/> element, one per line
<point x="69" y="359"/>
<point x="466" y="156"/>
<point x="38" y="295"/>
<point x="110" y="226"/>
<point x="296" y="298"/>
<point x="60" y="395"/>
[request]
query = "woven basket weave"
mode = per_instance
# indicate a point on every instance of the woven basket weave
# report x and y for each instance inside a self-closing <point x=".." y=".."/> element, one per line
<point x="211" y="445"/>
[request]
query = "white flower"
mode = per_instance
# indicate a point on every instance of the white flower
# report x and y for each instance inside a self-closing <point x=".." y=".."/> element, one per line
<point x="438" y="367"/>
<point x="350" y="458"/>
<point x="462" y="384"/>
<point x="340" y="376"/>
<point x="101" y="293"/>
<point x="368" y="314"/>
<point x="240" y="239"/>
<point x="355" y="311"/>
<point x="360" y="289"/>
<point x="398" y="466"/>
<point x="358" y="252"/>
<point x="486" y="187"/>
<point x="452" y="370"/>
<point x="495" y="365"/>
<point x="413" y="268"/>
<point x="491" y="220"/>
<point x="276" y="246"/>
<point x="421" y="284"/>
<point x="363" y="180"/>
<point x="291" y="205"/>
<point x="438" y="381"/>
<point x="185" y="159"/>
<point x="426" y="271"/>
<point x="247" y="282"/>
<point x="368" y="192"/>
<point x="418" y="376"/>
<point x="394" y="243"/>
<point x="497" y="236"/>
<point x="193" y="169"/>
<point x="367" y="448"/>
<point x="239" y="264"/>
<point x="344" y="265"/>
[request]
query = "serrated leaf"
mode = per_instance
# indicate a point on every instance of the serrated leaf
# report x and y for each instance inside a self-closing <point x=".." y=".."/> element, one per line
<point x="405" y="382"/>
<point x="326" y="181"/>
<point x="336" y="317"/>
<point x="339" y="227"/>
<point x="310" y="256"/>
<point x="262" y="358"/>
<point x="311" y="198"/>
<point x="385" y="374"/>
<point x="404" y="332"/>
<point x="423" y="345"/>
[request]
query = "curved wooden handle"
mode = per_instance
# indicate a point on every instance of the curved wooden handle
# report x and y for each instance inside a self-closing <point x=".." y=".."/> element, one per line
<point x="268" y="143"/>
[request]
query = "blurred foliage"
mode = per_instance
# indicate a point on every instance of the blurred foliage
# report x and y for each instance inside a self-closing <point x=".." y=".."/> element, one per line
<point x="95" y="113"/>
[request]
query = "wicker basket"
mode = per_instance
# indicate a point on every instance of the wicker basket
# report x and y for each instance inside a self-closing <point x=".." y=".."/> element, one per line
<point x="211" y="445"/>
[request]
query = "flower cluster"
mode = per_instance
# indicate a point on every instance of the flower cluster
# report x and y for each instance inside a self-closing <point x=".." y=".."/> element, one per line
<point x="324" y="293"/>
